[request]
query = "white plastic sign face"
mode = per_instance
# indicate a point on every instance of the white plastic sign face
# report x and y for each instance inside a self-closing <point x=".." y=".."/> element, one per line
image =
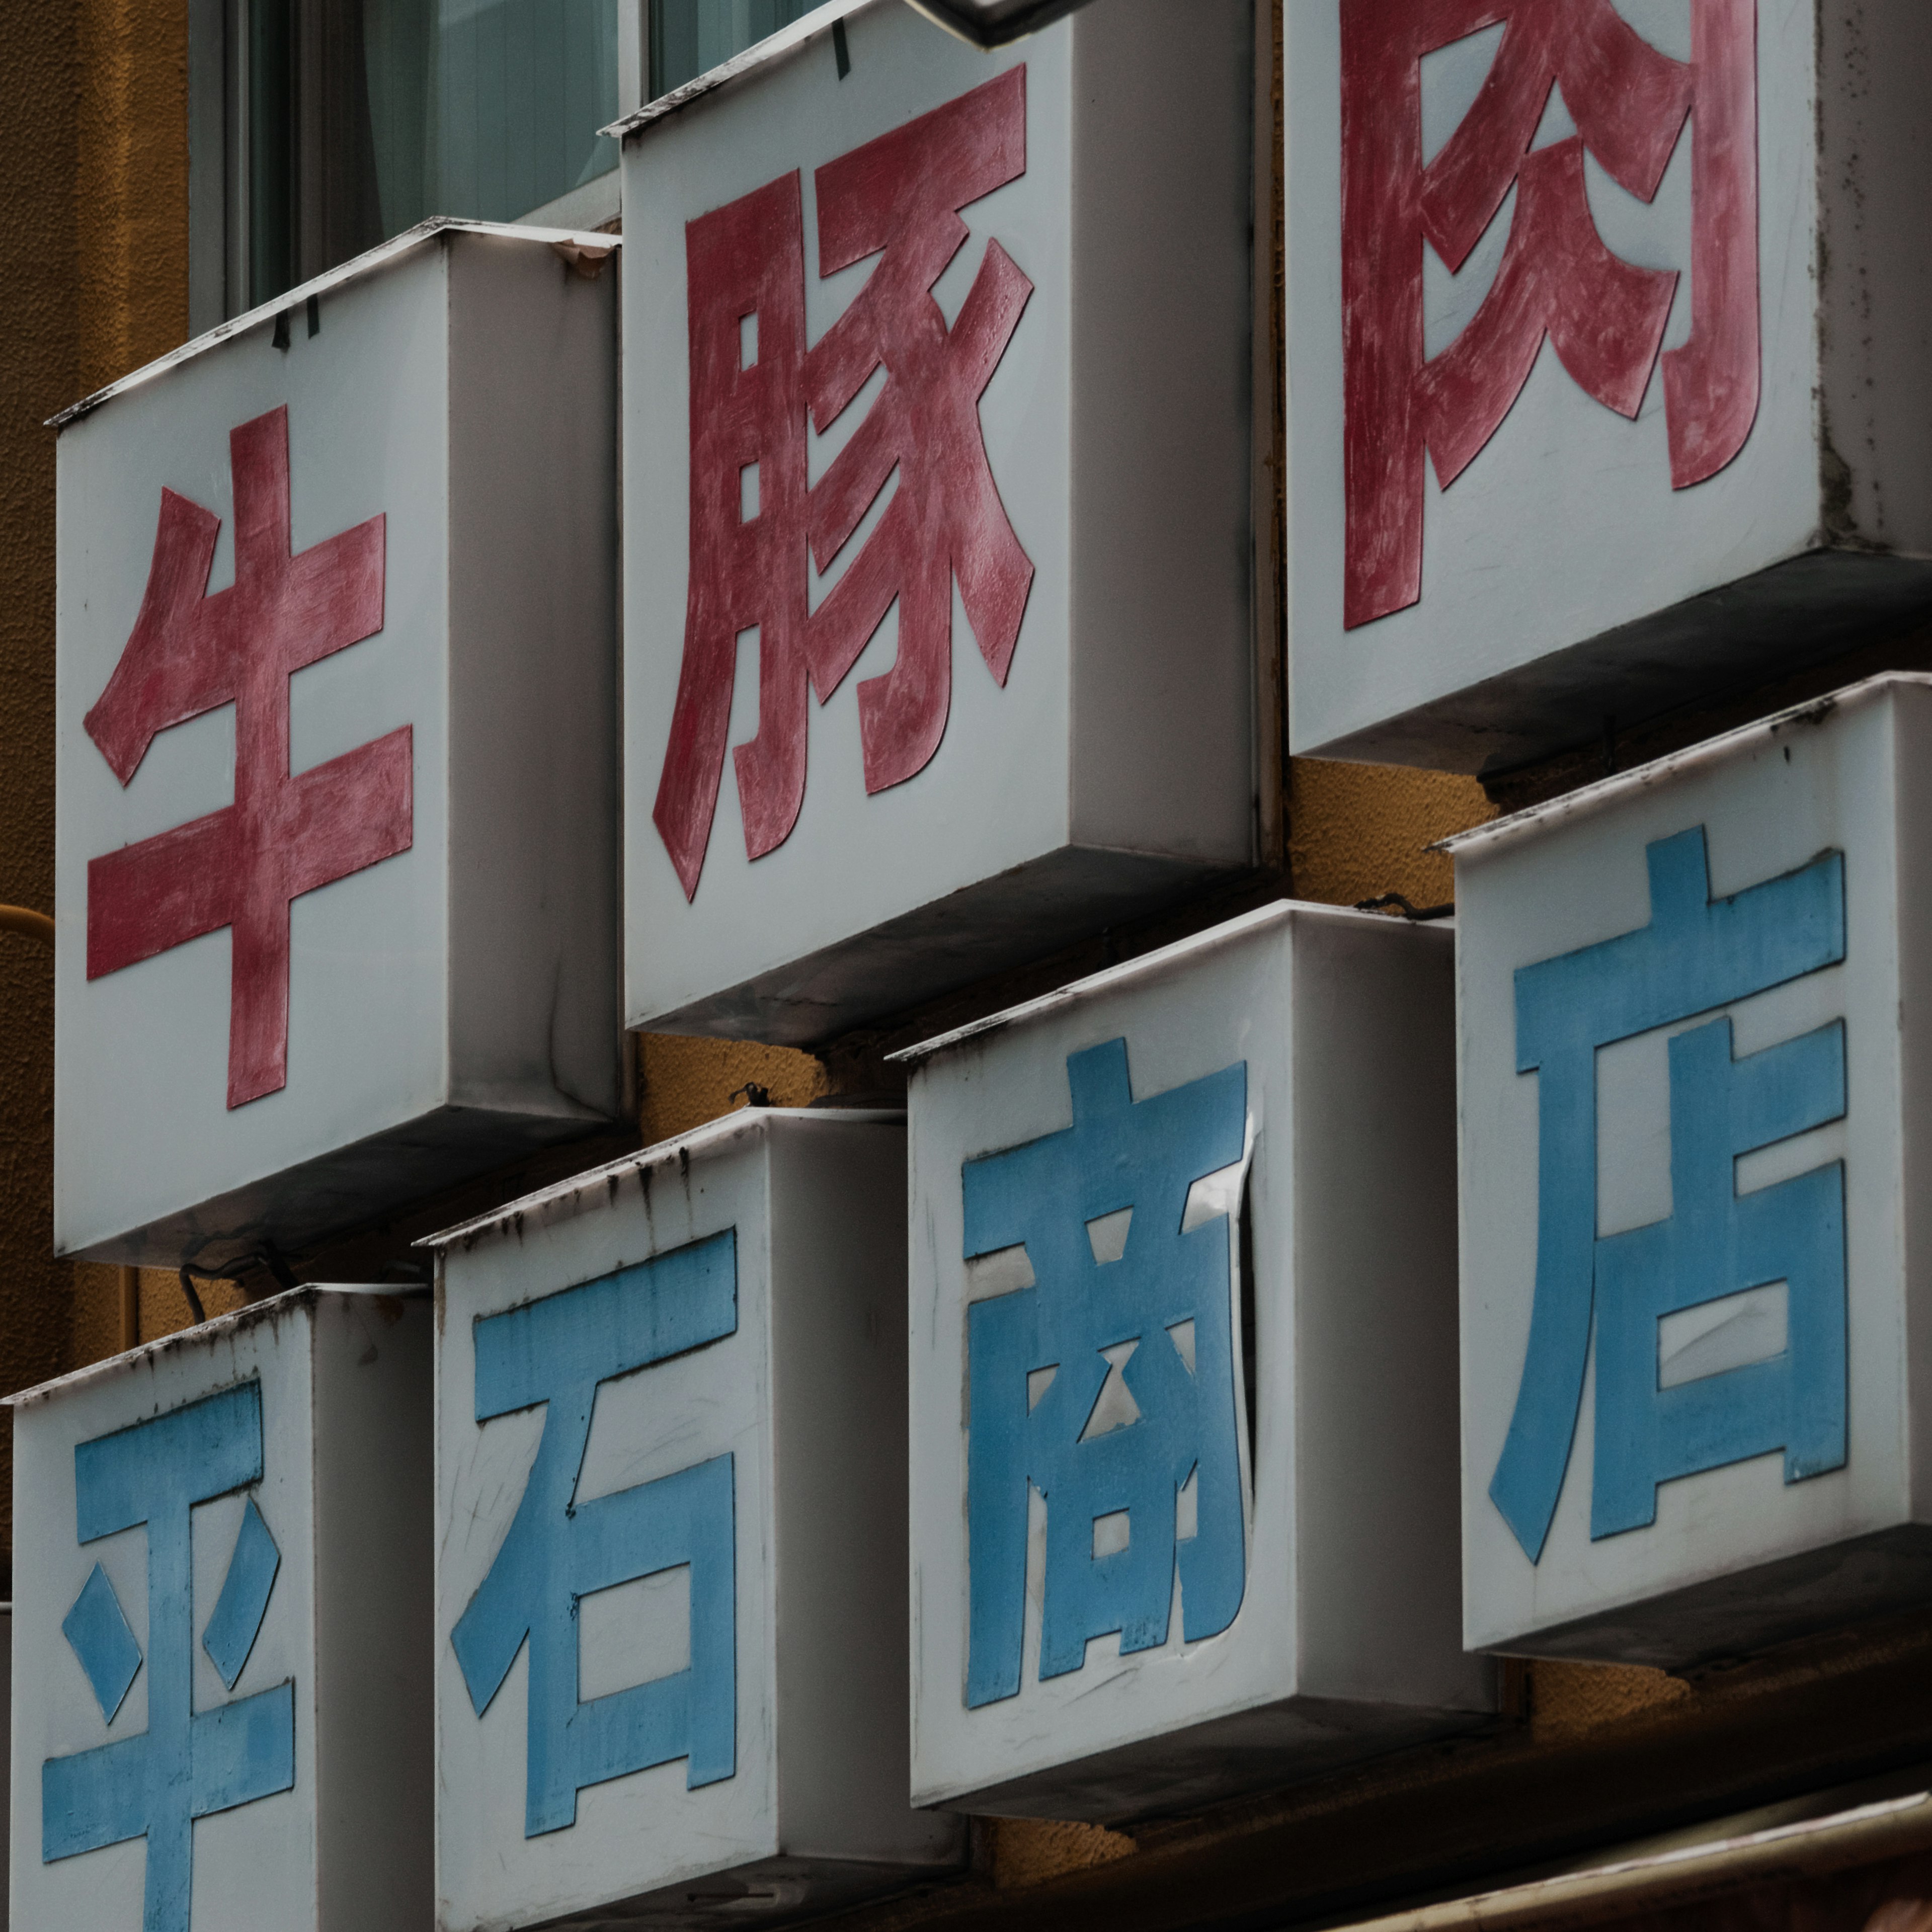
<point x="215" y="1730"/>
<point x="1575" y="294"/>
<point x="928" y="525"/>
<point x="1123" y="1565"/>
<point x="1692" y="1292"/>
<point x="670" y="1407"/>
<point x="302" y="835"/>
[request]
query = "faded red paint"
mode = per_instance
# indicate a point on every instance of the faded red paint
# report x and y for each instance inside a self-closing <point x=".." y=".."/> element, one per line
<point x="284" y="836"/>
<point x="1604" y="317"/>
<point x="747" y="259"/>
<point x="898" y="197"/>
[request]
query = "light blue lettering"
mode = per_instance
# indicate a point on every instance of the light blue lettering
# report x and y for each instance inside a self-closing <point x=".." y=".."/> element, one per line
<point x="187" y="1764"/>
<point x="1088" y="1320"/>
<point x="1696" y="955"/>
<point x="556" y="1352"/>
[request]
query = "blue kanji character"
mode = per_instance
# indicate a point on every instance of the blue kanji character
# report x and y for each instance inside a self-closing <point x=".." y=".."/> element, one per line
<point x="1149" y="1329"/>
<point x="1697" y="954"/>
<point x="188" y="1764"/>
<point x="555" y="1351"/>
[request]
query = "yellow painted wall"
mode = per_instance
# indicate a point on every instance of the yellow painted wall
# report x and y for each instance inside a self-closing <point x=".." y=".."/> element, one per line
<point x="1358" y="832"/>
<point x="93" y="283"/>
<point x="683" y="1083"/>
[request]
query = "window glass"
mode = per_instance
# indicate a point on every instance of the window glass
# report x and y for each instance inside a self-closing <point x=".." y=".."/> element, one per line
<point x="688" y="37"/>
<point x="365" y="116"/>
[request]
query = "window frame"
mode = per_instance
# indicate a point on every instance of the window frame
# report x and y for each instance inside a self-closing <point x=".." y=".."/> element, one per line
<point x="221" y="222"/>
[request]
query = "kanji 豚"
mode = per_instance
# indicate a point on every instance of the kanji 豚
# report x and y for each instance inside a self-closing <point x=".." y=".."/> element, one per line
<point x="554" y="1352"/>
<point x="191" y="651"/>
<point x="1696" y="956"/>
<point x="1604" y="316"/>
<point x="1109" y="1385"/>
<point x="188" y="1764"/>
<point x="752" y="380"/>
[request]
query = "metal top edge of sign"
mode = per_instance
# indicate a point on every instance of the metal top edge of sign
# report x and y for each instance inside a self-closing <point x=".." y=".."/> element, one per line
<point x="746" y="1123"/>
<point x="270" y="1308"/>
<point x="773" y="49"/>
<point x="1149" y="965"/>
<point x="1588" y="800"/>
<point x="964" y="19"/>
<point x="370" y="262"/>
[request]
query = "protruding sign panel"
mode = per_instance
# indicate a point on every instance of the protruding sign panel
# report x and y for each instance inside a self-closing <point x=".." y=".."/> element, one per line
<point x="670" y="1658"/>
<point x="222" y="1603"/>
<point x="936" y="513"/>
<point x="1693" y="1308"/>
<point x="337" y="784"/>
<point x="1604" y="383"/>
<point x="1183" y="1434"/>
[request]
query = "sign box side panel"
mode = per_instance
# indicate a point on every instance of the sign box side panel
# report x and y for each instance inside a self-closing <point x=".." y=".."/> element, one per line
<point x="253" y="1866"/>
<point x="1565" y="528"/>
<point x="1163" y="653"/>
<point x="376" y="1524"/>
<point x="1736" y="1555"/>
<point x="839" y="1353"/>
<point x="142" y="1128"/>
<point x="994" y="796"/>
<point x="532" y="588"/>
<point x="1875" y="276"/>
<point x="1378" y="1516"/>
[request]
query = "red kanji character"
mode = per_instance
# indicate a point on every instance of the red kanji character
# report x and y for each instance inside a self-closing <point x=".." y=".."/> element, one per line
<point x="190" y="651"/>
<point x="1605" y="318"/>
<point x="898" y="196"/>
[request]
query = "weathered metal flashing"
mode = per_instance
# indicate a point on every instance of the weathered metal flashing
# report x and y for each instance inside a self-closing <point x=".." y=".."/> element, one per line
<point x="571" y="1196"/>
<point x="769" y="52"/>
<point x="1589" y="800"/>
<point x="1150" y="965"/>
<point x="369" y="262"/>
<point x="272" y="1310"/>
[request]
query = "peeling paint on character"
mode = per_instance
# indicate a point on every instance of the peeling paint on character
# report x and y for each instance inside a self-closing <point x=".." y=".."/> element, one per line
<point x="556" y="1352"/>
<point x="1110" y="1384"/>
<point x="1697" y="955"/>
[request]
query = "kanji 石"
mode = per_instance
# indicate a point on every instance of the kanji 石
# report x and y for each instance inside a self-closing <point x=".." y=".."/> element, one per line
<point x="554" y="1352"/>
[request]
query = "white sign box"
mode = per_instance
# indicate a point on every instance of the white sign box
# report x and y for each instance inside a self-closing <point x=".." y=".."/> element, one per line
<point x="1183" y="1420"/>
<point x="221" y="1615"/>
<point x="670" y="1660"/>
<point x="336" y="834"/>
<point x="1695" y="1311"/>
<point x="936" y="448"/>
<point x="1606" y="386"/>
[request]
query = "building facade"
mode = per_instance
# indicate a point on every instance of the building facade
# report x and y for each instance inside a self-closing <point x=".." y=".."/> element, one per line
<point x="1229" y="1233"/>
